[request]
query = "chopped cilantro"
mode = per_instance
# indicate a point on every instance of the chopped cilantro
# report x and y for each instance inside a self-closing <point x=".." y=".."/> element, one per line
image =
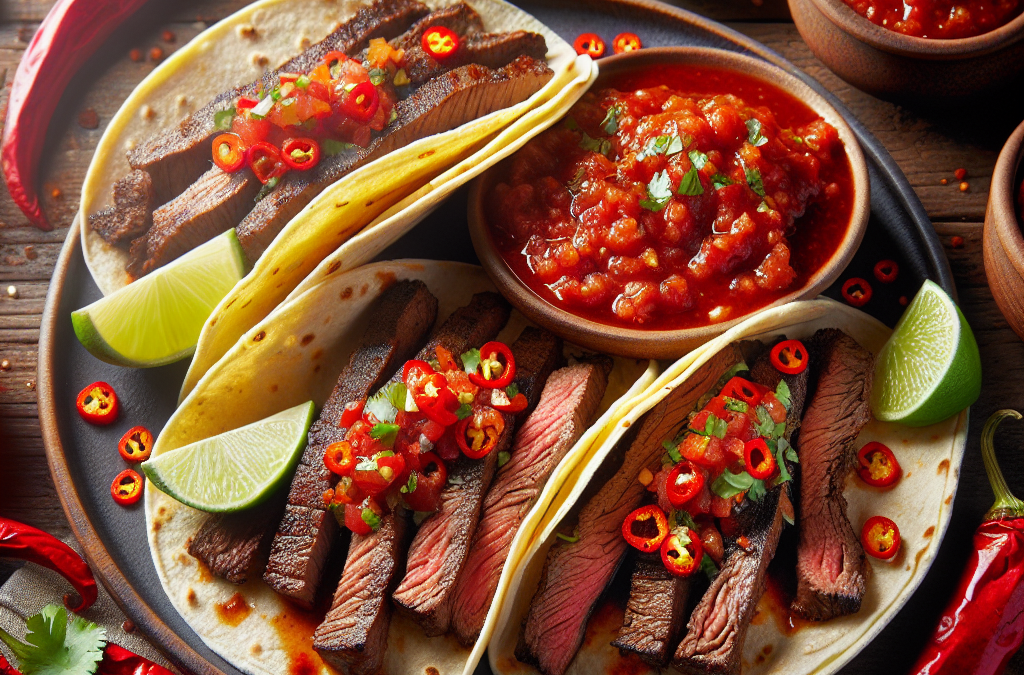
<point x="698" y="159"/>
<point x="730" y="484"/>
<point x="385" y="433"/>
<point x="302" y="82"/>
<point x="331" y="147"/>
<point x="659" y="192"/>
<point x="610" y="123"/>
<point x="511" y="391"/>
<point x="600" y="145"/>
<point x="783" y="393"/>
<point x="754" y="181"/>
<point x="672" y="448"/>
<point x="715" y="426"/>
<point x="385" y="404"/>
<point x="503" y="457"/>
<point x="267" y="188"/>
<point x="735" y="405"/>
<point x="720" y="180"/>
<point x="371" y="519"/>
<point x="55" y="647"/>
<point x="757" y="490"/>
<point x="464" y="411"/>
<point x="680" y="517"/>
<point x="222" y="120"/>
<point x="664" y="145"/>
<point x="690" y="185"/>
<point x="471" y="360"/>
<point x="409" y="487"/>
<point x="754" y="132"/>
<point x="765" y="424"/>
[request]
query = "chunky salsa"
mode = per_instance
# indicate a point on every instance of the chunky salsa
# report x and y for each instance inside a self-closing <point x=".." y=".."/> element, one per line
<point x="677" y="198"/>
<point x="942" y="19"/>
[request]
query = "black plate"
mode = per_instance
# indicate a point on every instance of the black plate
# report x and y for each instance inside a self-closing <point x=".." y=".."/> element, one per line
<point x="80" y="455"/>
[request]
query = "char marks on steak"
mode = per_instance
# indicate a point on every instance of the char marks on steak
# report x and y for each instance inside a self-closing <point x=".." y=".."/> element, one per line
<point x="568" y="404"/>
<point x="353" y="635"/>
<point x="401" y="317"/>
<point x="230" y="543"/>
<point x="438" y="552"/>
<point x="446" y="102"/>
<point x="718" y="625"/>
<point x="830" y="559"/>
<point x="575" y="575"/>
<point x="132" y="213"/>
<point x="654" y="612"/>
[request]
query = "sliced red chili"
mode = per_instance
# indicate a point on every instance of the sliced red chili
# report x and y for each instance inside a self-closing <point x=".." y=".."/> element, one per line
<point x="878" y="466"/>
<point x="126" y="488"/>
<point x="345" y="492"/>
<point x="744" y="390"/>
<point x="492" y="373"/>
<point x="340" y="458"/>
<point x="246" y="102"/>
<point x="136" y="445"/>
<point x="881" y="538"/>
<point x="289" y="77"/>
<point x="445" y="359"/>
<point x="374" y="476"/>
<point x="682" y="559"/>
<point x="440" y="42"/>
<point x="228" y="152"/>
<point x="361" y="102"/>
<point x="758" y="458"/>
<point x="98" y="404"/>
<point x="265" y="161"/>
<point x="886" y="271"/>
<point x="590" y="44"/>
<point x="333" y="61"/>
<point x="301" y="154"/>
<point x="501" y="401"/>
<point x="684" y="483"/>
<point x="352" y="413"/>
<point x="626" y="42"/>
<point x="430" y="481"/>
<point x="790" y="357"/>
<point x="856" y="291"/>
<point x="638" y="531"/>
<point x="430" y="392"/>
<point x="479" y="433"/>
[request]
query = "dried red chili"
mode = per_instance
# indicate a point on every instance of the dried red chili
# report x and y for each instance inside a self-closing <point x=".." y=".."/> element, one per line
<point x="478" y="434"/>
<point x="637" y="524"/>
<point x="684" y="483"/>
<point x="744" y="390"/>
<point x="228" y="152"/>
<point x="886" y="271"/>
<point x="440" y="42"/>
<point x="626" y="42"/>
<point x="126" y="489"/>
<point x="24" y="542"/>
<point x="98" y="403"/>
<point x="492" y="373"/>
<point x="301" y="154"/>
<point x="340" y="458"/>
<point x="265" y="161"/>
<point x="758" y="458"/>
<point x="880" y="538"/>
<point x="136" y="445"/>
<point x="877" y="465"/>
<point x="680" y="557"/>
<point x="983" y="625"/>
<point x="790" y="357"/>
<point x="590" y="44"/>
<point x="856" y="291"/>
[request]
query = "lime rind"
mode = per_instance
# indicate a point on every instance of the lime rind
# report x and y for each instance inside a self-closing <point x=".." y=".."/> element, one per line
<point x="236" y="469"/>
<point x="157" y="319"/>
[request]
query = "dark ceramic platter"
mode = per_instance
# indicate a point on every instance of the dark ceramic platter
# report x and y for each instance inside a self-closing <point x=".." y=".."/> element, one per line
<point x="79" y="454"/>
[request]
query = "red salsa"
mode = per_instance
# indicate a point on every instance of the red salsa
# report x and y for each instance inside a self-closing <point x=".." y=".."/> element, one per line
<point x="678" y="198"/>
<point x="942" y="19"/>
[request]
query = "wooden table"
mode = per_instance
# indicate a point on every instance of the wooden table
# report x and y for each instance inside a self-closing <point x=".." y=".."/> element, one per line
<point x="927" y="146"/>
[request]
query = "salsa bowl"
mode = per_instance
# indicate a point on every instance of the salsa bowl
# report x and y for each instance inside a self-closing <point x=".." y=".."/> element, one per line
<point x="759" y="82"/>
<point x="1003" y="242"/>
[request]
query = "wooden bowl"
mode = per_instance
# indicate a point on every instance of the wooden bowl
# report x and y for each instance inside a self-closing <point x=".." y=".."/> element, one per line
<point x="1003" y="243"/>
<point x="667" y="344"/>
<point x="904" y="68"/>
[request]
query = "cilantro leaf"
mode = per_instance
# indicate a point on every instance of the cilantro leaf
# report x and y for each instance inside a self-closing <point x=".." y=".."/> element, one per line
<point x="385" y="433"/>
<point x="754" y="132"/>
<point x="730" y="484"/>
<point x="690" y="185"/>
<point x="371" y="519"/>
<point x="680" y="517"/>
<point x="780" y="430"/>
<point x="53" y="647"/>
<point x="610" y="123"/>
<point x="698" y="159"/>
<point x="222" y="119"/>
<point x="385" y="404"/>
<point x="410" y="486"/>
<point x="672" y="448"/>
<point x="576" y="184"/>
<point x="503" y="457"/>
<point x="765" y="424"/>
<point x="659" y="191"/>
<point x="471" y="360"/>
<point x="783" y="393"/>
<point x="512" y="391"/>
<point x="715" y="426"/>
<point x="599" y="145"/>
<point x="757" y="490"/>
<point x="720" y="180"/>
<point x="735" y="405"/>
<point x="464" y="411"/>
<point x="708" y="567"/>
<point x="664" y="145"/>
<point x="754" y="181"/>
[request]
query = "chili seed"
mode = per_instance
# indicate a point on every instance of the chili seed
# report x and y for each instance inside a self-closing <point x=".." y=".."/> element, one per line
<point x="957" y="241"/>
<point x="5" y="364"/>
<point x="128" y="626"/>
<point x="943" y="181"/>
<point x="30" y="384"/>
<point x="30" y="252"/>
<point x="964" y="186"/>
<point x="135" y="55"/>
<point x="12" y="291"/>
<point x="56" y="193"/>
<point x="156" y="55"/>
<point x="168" y="36"/>
<point x="903" y="300"/>
<point x="960" y="174"/>
<point x="88" y="119"/>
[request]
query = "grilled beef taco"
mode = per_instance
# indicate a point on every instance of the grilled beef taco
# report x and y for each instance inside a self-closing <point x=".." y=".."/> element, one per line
<point x="716" y="526"/>
<point x="446" y="426"/>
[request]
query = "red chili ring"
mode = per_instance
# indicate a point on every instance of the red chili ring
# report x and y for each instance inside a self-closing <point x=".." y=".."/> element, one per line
<point x="888" y="471"/>
<point x="126" y="489"/>
<point x="509" y="371"/>
<point x="626" y="42"/>
<point x="758" y="469"/>
<point x="856" y="291"/>
<point x="590" y="44"/>
<point x="136" y="445"/>
<point x="790" y="357"/>
<point x="886" y="271"/>
<point x="872" y="537"/>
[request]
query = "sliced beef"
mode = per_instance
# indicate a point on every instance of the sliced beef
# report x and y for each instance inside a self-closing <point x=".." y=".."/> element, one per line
<point x="438" y="552"/>
<point x="655" y="611"/>
<point x="353" y="635"/>
<point x="457" y="17"/>
<point x="230" y="543"/>
<point x="575" y="575"/>
<point x="180" y="155"/>
<point x="718" y="625"/>
<point x="448" y="101"/>
<point x="830" y="559"/>
<point x="132" y="212"/>
<point x="307" y="531"/>
<point x="492" y="50"/>
<point x="568" y="405"/>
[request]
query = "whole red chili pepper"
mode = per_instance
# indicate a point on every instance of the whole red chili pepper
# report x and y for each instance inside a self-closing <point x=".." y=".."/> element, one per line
<point x="25" y="542"/>
<point x="116" y="661"/>
<point x="983" y="625"/>
<point x="70" y="33"/>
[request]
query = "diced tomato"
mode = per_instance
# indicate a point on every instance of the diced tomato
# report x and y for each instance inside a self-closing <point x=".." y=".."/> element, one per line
<point x="774" y="406"/>
<point x="702" y="502"/>
<point x="376" y="480"/>
<point x="716" y="406"/>
<point x="740" y="426"/>
<point x="704" y="450"/>
<point x="430" y="481"/>
<point x="700" y="420"/>
<point x="733" y="447"/>
<point x="251" y="131"/>
<point x="354" y="519"/>
<point x="721" y="508"/>
<point x="447" y="447"/>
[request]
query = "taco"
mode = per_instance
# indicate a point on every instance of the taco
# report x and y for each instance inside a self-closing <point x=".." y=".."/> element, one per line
<point x="731" y="478"/>
<point x="446" y="425"/>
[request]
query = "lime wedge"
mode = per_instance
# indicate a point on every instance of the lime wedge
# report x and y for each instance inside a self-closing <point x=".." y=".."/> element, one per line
<point x="235" y="469"/>
<point x="157" y="319"/>
<point x="930" y="367"/>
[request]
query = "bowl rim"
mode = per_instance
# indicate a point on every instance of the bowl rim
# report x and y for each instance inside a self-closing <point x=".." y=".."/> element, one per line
<point x="540" y="310"/>
<point x="849" y="21"/>
<point x="1001" y="212"/>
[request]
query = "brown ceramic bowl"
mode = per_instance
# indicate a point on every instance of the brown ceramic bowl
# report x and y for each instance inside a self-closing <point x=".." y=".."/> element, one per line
<point x="1003" y="243"/>
<point x="666" y="344"/>
<point x="904" y="68"/>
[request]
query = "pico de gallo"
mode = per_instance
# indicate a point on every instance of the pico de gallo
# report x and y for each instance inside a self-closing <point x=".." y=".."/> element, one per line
<point x="733" y="448"/>
<point x="399" y="441"/>
<point x="677" y="198"/>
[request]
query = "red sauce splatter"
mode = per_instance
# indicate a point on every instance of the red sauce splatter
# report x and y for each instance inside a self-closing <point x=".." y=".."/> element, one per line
<point x="234" y="610"/>
<point x="295" y="629"/>
<point x="777" y="601"/>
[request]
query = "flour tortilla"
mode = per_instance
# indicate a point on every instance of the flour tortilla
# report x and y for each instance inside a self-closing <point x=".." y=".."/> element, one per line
<point x="920" y="505"/>
<point x="259" y="377"/>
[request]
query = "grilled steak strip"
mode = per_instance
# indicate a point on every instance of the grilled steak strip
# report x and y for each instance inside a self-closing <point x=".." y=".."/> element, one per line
<point x="718" y="626"/>
<point x="402" y="316"/>
<point x="568" y="404"/>
<point x="492" y="50"/>
<point x="229" y="543"/>
<point x="458" y="17"/>
<point x="438" y="552"/>
<point x="446" y="102"/>
<point x="830" y="560"/>
<point x="353" y="635"/>
<point x="132" y="213"/>
<point x="654" y="612"/>
<point x="575" y="575"/>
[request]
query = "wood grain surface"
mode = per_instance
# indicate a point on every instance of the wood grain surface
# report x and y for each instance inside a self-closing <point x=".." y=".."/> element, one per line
<point x="927" y="145"/>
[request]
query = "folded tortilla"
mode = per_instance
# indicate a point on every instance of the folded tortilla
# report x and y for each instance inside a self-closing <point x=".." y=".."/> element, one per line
<point x="920" y="504"/>
<point x="269" y="368"/>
